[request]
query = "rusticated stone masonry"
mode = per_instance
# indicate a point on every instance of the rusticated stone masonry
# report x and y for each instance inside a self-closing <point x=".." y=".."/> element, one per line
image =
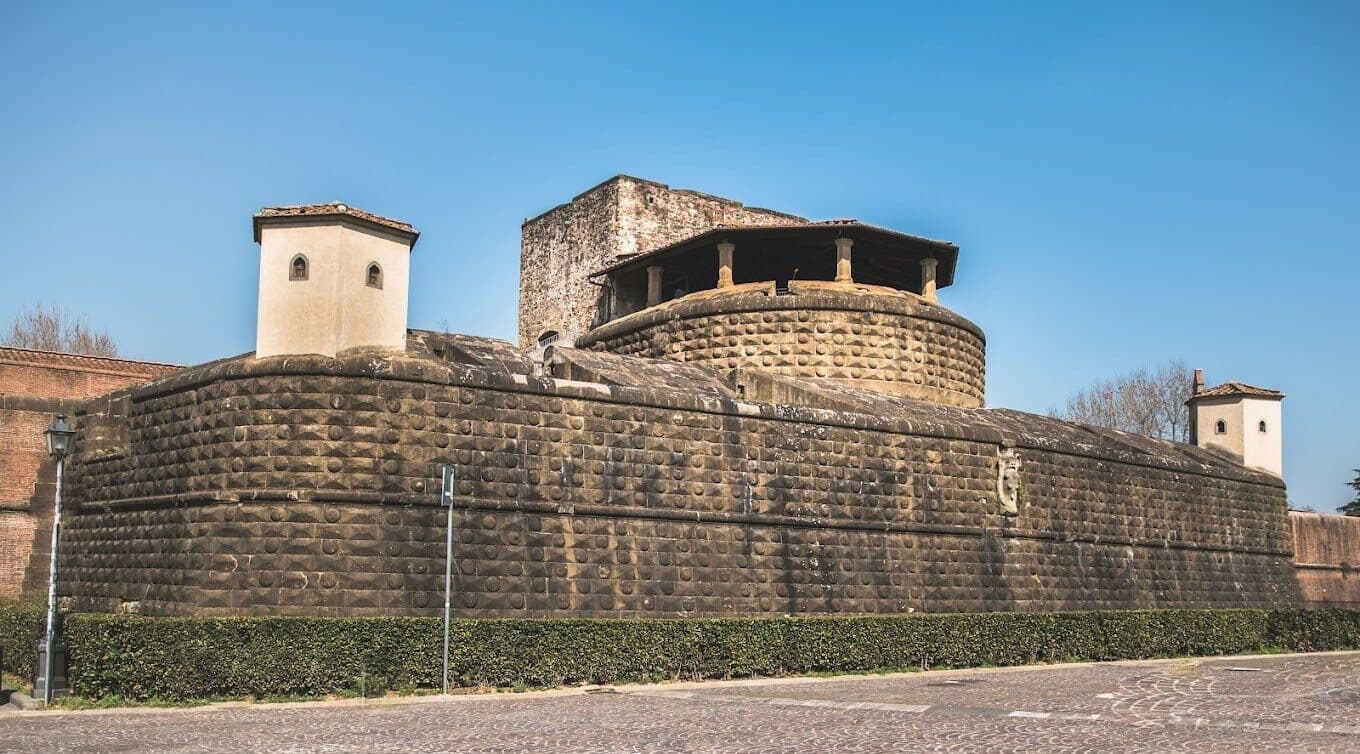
<point x="873" y="338"/>
<point x="306" y="485"/>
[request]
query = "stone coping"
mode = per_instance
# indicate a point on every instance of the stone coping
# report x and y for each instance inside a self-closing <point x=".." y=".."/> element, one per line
<point x="754" y="297"/>
<point x="39" y="404"/>
<point x="110" y="365"/>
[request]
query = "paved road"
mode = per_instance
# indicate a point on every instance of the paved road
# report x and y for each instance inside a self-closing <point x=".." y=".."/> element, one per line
<point x="1276" y="704"/>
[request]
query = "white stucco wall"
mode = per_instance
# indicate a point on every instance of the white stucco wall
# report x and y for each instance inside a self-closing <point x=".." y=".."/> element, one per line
<point x="1207" y="415"/>
<point x="1263" y="450"/>
<point x="334" y="308"/>
<point x="1242" y="416"/>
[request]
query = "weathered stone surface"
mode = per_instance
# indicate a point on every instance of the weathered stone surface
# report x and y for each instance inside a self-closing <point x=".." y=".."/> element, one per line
<point x="618" y="218"/>
<point x="306" y="485"/>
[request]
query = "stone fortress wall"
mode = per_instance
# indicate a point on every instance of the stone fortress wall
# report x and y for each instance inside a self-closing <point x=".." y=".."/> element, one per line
<point x="621" y="217"/>
<point x="307" y="485"/>
<point x="743" y="451"/>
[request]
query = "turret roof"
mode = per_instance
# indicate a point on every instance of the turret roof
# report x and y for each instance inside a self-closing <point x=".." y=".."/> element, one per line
<point x="1229" y="389"/>
<point x="333" y="209"/>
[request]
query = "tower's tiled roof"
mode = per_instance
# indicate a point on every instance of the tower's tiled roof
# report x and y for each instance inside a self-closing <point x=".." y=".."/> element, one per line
<point x="1228" y="389"/>
<point x="333" y="209"/>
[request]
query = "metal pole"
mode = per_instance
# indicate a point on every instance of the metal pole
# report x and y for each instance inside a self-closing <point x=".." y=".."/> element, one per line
<point x="449" y="482"/>
<point x="52" y="593"/>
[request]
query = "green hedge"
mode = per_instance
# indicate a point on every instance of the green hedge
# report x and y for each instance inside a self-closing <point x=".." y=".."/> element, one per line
<point x="21" y="626"/>
<point x="185" y="658"/>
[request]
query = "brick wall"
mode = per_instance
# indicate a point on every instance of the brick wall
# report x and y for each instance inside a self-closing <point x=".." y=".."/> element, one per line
<point x="16" y="536"/>
<point x="34" y="386"/>
<point x="622" y="216"/>
<point x="23" y="447"/>
<point x="45" y="374"/>
<point x="1327" y="558"/>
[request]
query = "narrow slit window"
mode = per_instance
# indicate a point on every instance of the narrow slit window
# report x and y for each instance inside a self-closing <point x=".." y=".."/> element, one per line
<point x="374" y="276"/>
<point x="1262" y="425"/>
<point x="297" y="269"/>
<point x="1221" y="427"/>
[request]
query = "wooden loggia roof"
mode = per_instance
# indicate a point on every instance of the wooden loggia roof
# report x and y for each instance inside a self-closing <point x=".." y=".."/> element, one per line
<point x="869" y="239"/>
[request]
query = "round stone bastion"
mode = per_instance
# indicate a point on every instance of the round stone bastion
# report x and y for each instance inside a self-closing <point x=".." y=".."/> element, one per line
<point x="871" y="337"/>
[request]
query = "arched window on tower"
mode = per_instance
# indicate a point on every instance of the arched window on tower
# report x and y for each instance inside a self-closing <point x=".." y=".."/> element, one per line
<point x="1262" y="425"/>
<point x="374" y="279"/>
<point x="297" y="269"/>
<point x="1220" y="427"/>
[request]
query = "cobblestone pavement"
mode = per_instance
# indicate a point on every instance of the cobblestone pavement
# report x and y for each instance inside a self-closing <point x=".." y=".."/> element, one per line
<point x="1273" y="704"/>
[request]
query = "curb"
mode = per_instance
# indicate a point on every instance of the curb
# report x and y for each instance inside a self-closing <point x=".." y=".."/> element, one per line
<point x="632" y="688"/>
<point x="370" y="702"/>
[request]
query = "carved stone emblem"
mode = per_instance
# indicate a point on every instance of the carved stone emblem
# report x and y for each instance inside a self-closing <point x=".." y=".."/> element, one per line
<point x="1008" y="481"/>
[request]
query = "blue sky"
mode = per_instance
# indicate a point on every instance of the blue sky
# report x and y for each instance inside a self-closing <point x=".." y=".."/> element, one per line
<point x="1127" y="184"/>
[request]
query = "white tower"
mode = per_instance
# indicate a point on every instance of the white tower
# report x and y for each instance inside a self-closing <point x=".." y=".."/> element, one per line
<point x="332" y="277"/>
<point x="1241" y="419"/>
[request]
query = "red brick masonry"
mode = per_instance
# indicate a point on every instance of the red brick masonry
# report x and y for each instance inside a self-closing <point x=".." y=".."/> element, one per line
<point x="1327" y="558"/>
<point x="34" y="385"/>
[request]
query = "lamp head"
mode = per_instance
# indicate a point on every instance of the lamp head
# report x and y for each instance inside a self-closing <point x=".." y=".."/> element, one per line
<point x="59" y="437"/>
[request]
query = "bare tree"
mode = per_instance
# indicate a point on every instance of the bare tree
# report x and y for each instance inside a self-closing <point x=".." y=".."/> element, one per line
<point x="1147" y="402"/>
<point x="53" y="329"/>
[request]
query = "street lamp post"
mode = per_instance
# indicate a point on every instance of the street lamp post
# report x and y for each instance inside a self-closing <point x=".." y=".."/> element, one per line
<point x="59" y="437"/>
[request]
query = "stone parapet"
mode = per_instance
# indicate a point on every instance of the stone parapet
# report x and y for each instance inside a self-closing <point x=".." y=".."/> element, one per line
<point x="867" y="336"/>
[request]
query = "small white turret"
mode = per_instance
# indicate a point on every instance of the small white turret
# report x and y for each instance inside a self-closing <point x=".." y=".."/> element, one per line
<point x="1241" y="419"/>
<point x="332" y="277"/>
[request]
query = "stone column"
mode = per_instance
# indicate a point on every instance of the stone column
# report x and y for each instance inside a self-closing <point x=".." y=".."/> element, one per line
<point x="653" y="285"/>
<point x="928" y="279"/>
<point x="843" y="246"/>
<point x="725" y="250"/>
